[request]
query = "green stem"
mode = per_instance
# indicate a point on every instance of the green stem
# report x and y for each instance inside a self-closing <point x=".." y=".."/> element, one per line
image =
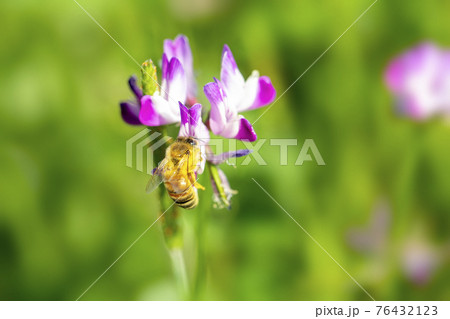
<point x="171" y="227"/>
<point x="170" y="221"/>
<point x="200" y="269"/>
<point x="179" y="270"/>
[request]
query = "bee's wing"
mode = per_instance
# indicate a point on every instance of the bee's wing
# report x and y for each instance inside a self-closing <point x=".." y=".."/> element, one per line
<point x="153" y="183"/>
<point x="157" y="177"/>
<point x="158" y="172"/>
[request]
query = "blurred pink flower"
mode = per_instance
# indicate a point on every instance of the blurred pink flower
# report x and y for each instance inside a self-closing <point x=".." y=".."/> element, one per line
<point x="419" y="260"/>
<point x="420" y="81"/>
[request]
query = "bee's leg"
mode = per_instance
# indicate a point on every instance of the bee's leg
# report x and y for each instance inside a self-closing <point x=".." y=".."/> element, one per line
<point x="199" y="186"/>
<point x="191" y="176"/>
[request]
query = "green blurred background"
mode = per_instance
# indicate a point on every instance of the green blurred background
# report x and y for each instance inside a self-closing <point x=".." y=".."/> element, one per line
<point x="69" y="206"/>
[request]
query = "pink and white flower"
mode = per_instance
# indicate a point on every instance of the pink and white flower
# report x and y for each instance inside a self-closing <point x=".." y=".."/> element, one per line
<point x="231" y="95"/>
<point x="420" y="81"/>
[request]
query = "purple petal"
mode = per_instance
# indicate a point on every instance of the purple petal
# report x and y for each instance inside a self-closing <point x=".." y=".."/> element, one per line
<point x="184" y="112"/>
<point x="218" y="159"/>
<point x="246" y="131"/>
<point x="258" y="92"/>
<point x="180" y="49"/>
<point x="195" y="115"/>
<point x="148" y="114"/>
<point x="192" y="126"/>
<point x="174" y="82"/>
<point x="230" y="76"/>
<point x="174" y="69"/>
<point x="266" y="93"/>
<point x="197" y="127"/>
<point x="191" y="123"/>
<point x="241" y="153"/>
<point x="156" y="111"/>
<point x="190" y="119"/>
<point x="394" y="75"/>
<point x="164" y="66"/>
<point x="132" y="82"/>
<point x="130" y="112"/>
<point x="217" y="117"/>
<point x="229" y="67"/>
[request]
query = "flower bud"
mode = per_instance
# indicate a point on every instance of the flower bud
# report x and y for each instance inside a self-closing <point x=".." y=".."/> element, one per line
<point x="149" y="78"/>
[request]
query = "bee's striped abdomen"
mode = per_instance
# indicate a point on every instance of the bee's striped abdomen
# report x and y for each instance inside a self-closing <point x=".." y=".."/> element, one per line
<point x="187" y="199"/>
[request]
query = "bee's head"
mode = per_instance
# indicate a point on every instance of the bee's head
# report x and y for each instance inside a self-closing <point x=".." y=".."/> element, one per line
<point x="192" y="141"/>
<point x="188" y="140"/>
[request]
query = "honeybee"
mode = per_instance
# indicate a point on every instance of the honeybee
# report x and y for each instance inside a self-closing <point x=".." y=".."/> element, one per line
<point x="178" y="172"/>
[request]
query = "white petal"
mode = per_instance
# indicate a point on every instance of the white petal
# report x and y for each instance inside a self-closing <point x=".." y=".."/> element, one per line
<point x="166" y="109"/>
<point x="231" y="77"/>
<point x="250" y="92"/>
